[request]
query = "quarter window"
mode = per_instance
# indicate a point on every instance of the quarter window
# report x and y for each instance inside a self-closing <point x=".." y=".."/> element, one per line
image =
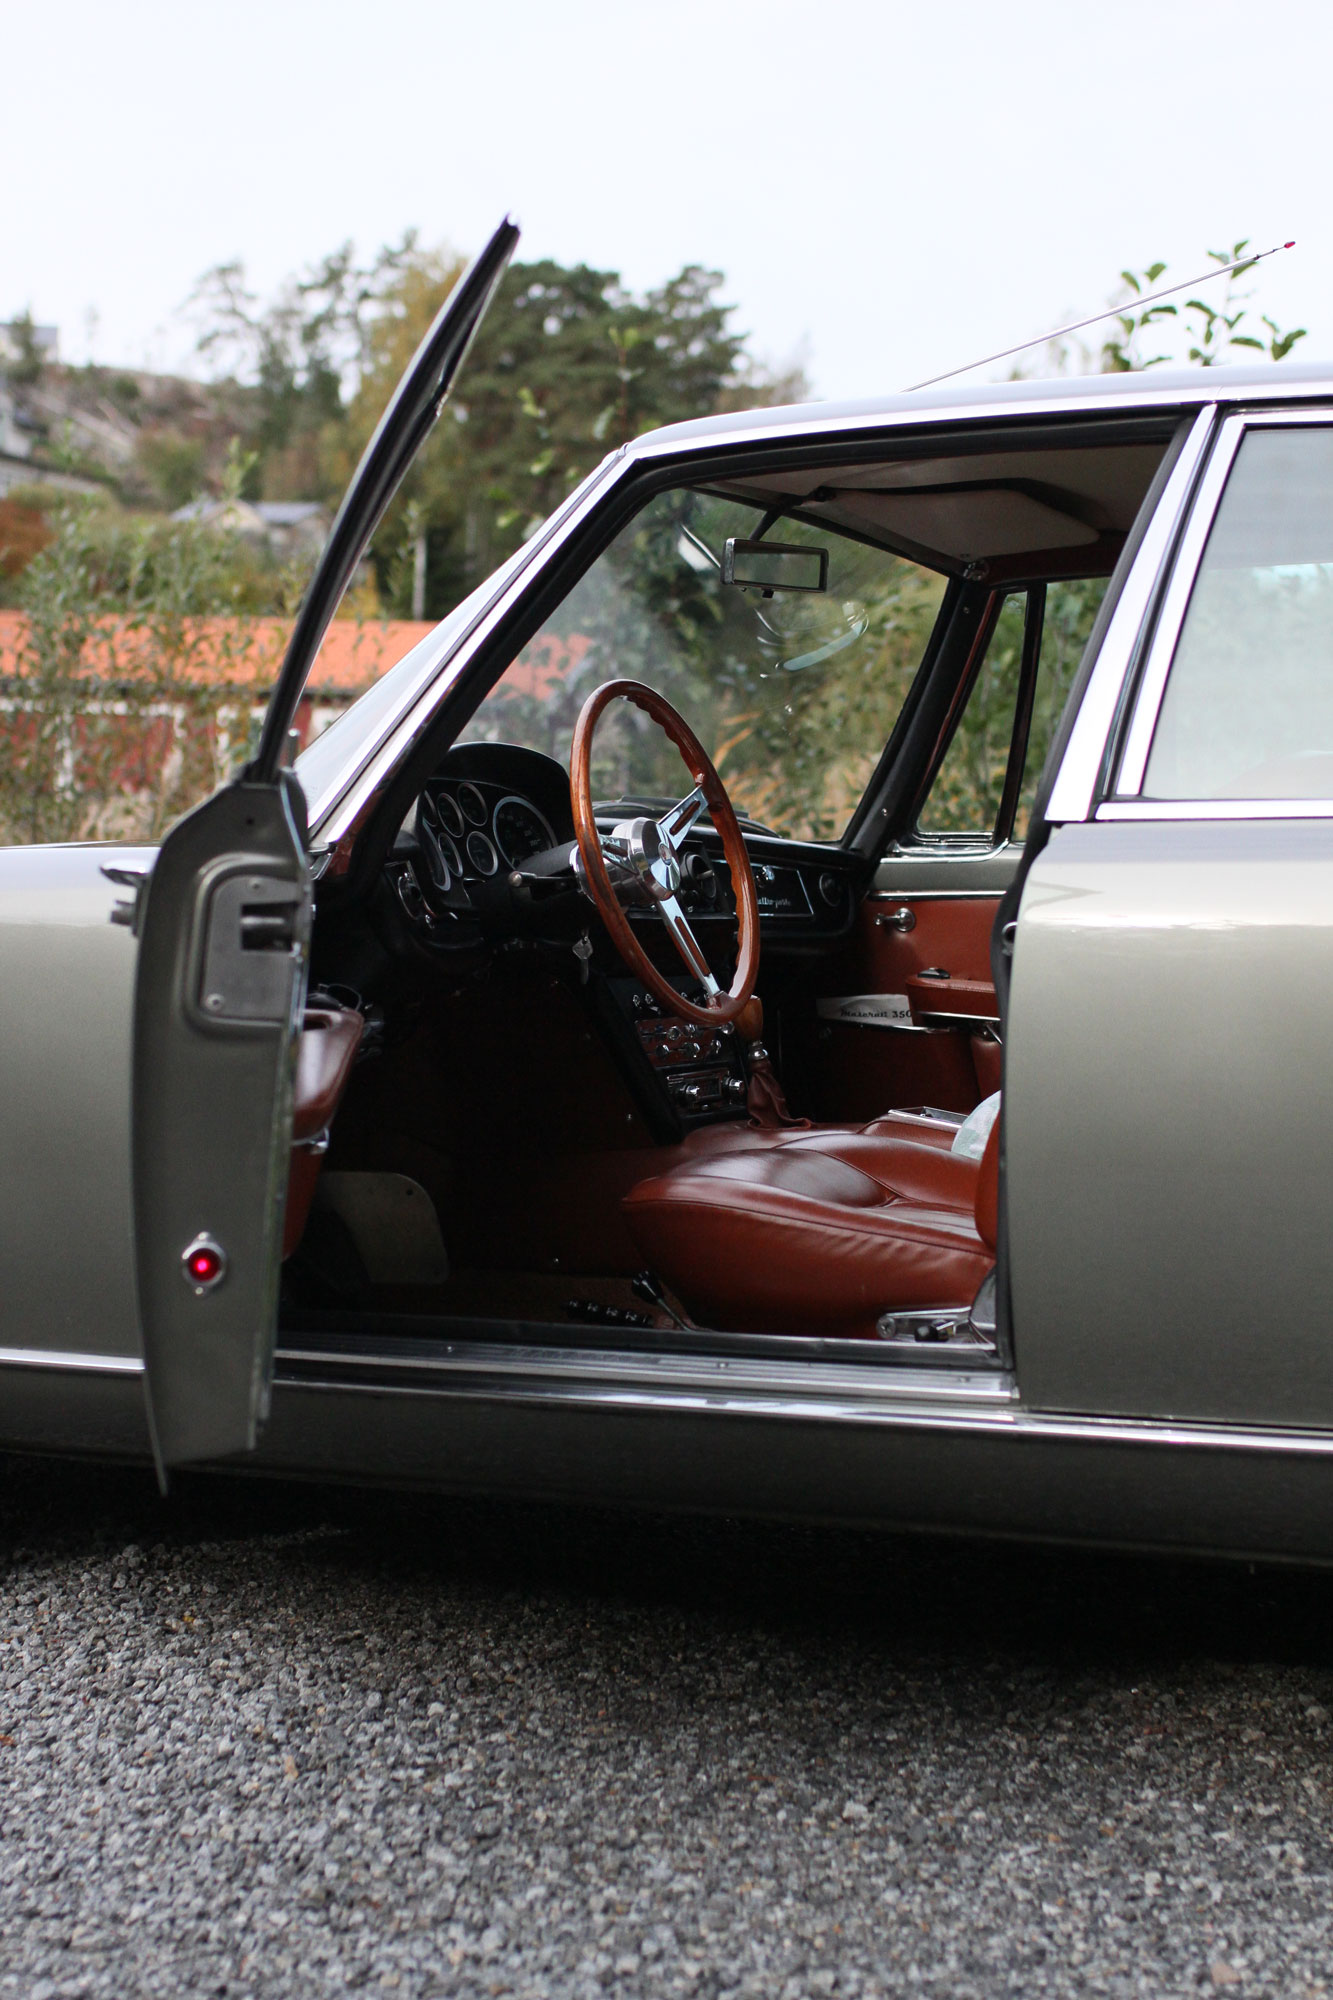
<point x="1248" y="707"/>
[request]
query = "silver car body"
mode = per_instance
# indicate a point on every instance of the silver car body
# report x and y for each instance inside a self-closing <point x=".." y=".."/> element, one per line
<point x="1166" y="1192"/>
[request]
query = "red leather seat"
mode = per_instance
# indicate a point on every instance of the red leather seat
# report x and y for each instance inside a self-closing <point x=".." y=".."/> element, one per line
<point x="819" y="1231"/>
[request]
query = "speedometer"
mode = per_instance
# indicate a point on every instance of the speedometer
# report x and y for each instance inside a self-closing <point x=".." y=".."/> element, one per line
<point x="520" y="830"/>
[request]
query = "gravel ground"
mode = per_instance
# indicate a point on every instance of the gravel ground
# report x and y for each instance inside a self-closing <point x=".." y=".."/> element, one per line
<point x="265" y="1740"/>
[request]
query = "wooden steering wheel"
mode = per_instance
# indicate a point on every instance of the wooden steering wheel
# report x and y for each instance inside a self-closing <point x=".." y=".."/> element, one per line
<point x="645" y="857"/>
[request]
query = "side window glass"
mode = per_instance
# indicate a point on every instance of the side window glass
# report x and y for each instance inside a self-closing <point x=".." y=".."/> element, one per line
<point x="969" y="785"/>
<point x="1248" y="707"/>
<point x="1072" y="605"/>
<point x="987" y="784"/>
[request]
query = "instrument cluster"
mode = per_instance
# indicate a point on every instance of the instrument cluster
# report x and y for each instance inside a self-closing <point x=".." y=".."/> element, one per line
<point x="470" y="831"/>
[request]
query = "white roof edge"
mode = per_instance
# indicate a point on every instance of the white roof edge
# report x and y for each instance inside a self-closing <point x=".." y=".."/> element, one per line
<point x="1139" y="389"/>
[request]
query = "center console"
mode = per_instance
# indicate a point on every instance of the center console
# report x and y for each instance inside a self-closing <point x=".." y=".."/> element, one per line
<point x="699" y="1069"/>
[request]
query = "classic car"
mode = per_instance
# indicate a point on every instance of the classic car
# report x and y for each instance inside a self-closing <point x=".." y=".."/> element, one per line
<point x="807" y="994"/>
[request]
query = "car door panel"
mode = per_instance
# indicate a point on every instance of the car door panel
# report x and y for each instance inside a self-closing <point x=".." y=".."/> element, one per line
<point x="1169" y="1122"/>
<point x="66" y="1016"/>
<point x="221" y="986"/>
<point x="224" y="923"/>
<point x="873" y="1057"/>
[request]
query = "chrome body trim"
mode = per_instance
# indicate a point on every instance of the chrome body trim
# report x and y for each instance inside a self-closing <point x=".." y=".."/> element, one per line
<point x="1219" y="809"/>
<point x="815" y="1391"/>
<point x="84" y="1364"/>
<point x="1074" y="791"/>
<point x="1180" y="588"/>
<point x="656" y="1384"/>
<point x="1156" y="390"/>
<point x="692" y="1375"/>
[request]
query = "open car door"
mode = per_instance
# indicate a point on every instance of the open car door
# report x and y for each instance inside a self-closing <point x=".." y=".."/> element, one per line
<point x="224" y="925"/>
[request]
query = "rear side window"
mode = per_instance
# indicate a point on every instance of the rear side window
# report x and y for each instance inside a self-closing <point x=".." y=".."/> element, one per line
<point x="1248" y="707"/>
<point x="987" y="782"/>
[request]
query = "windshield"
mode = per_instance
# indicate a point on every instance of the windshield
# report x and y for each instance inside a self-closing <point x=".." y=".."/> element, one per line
<point x="793" y="694"/>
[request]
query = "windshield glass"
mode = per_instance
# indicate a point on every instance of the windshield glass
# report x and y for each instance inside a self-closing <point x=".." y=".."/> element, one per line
<point x="793" y="694"/>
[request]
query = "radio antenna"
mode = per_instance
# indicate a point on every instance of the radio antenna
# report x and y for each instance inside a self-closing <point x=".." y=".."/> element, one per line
<point x="1111" y="312"/>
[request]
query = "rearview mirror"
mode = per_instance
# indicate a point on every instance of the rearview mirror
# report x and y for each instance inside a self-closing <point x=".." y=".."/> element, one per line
<point x="770" y="566"/>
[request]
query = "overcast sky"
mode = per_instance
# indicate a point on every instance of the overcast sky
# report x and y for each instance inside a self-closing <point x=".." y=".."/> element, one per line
<point x="890" y="189"/>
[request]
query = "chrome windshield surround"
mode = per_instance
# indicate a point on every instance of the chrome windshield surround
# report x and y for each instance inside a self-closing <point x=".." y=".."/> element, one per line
<point x="1074" y="792"/>
<point x="1166" y="634"/>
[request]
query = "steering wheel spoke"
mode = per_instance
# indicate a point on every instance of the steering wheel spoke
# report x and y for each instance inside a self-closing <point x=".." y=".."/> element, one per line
<point x="675" y="824"/>
<point x="640" y="862"/>
<point x="687" y="944"/>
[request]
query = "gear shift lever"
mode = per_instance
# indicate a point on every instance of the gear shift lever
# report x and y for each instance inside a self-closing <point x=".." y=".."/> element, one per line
<point x="767" y="1102"/>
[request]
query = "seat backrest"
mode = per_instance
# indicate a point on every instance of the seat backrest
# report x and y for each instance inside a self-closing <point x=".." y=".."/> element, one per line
<point x="988" y="1188"/>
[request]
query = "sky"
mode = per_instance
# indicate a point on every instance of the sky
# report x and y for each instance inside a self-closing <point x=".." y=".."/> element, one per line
<point x="890" y="189"/>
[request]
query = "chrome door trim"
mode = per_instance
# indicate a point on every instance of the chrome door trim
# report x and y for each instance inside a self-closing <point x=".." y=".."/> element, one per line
<point x="910" y="895"/>
<point x="85" y="1364"/>
<point x="1179" y="590"/>
<point x="997" y="1412"/>
<point x="706" y="1375"/>
<point x="1175" y="600"/>
<point x="1217" y="809"/>
<point x="1075" y="788"/>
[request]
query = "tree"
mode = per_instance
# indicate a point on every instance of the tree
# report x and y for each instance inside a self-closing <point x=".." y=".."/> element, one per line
<point x="568" y="364"/>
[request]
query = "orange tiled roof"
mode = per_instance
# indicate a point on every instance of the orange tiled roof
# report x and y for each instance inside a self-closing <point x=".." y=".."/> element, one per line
<point x="355" y="652"/>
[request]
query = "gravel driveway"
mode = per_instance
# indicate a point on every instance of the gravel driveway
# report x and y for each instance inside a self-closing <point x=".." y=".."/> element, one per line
<point x="272" y="1740"/>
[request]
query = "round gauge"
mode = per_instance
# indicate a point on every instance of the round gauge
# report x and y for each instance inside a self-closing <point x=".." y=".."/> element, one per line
<point x="451" y="814"/>
<point x="473" y="804"/>
<point x="481" y="854"/>
<point x="428" y="813"/>
<point x="442" y="857"/>
<point x="520" y="831"/>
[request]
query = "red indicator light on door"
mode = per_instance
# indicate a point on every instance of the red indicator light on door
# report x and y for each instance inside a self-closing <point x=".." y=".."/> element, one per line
<point x="203" y="1264"/>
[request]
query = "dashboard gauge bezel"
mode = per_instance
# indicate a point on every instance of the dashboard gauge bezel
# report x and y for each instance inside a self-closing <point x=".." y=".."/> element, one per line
<point x="450" y="814"/>
<point x="517" y="799"/>
<point x="476" y="814"/>
<point x="480" y="836"/>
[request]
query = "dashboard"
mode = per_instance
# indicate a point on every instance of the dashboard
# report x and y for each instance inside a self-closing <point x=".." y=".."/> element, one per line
<point x="460" y="865"/>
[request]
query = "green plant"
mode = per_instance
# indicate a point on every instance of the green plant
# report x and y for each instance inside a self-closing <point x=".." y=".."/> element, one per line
<point x="1210" y="328"/>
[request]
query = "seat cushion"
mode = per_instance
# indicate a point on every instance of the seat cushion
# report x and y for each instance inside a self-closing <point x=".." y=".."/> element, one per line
<point x="817" y="1234"/>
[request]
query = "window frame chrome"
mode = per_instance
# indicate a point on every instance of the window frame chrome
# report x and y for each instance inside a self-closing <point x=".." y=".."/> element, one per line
<point x="335" y="813"/>
<point x="1074" y="794"/>
<point x="1126" y="801"/>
